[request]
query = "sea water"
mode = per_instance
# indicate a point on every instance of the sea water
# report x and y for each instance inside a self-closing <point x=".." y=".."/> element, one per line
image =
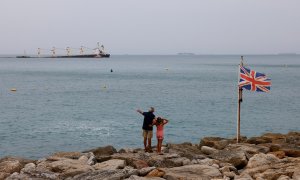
<point x="79" y="104"/>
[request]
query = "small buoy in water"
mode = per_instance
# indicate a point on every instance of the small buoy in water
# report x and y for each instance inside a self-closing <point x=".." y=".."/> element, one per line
<point x="104" y="86"/>
<point x="13" y="89"/>
<point x="111" y="70"/>
<point x="166" y="69"/>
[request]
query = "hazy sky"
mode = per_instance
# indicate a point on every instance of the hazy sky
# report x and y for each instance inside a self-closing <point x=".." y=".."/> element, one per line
<point x="152" y="26"/>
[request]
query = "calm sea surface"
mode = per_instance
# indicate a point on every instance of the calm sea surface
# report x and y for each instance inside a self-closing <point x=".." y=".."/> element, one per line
<point x="78" y="104"/>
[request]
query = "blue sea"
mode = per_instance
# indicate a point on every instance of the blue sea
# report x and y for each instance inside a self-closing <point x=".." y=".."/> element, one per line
<point x="78" y="104"/>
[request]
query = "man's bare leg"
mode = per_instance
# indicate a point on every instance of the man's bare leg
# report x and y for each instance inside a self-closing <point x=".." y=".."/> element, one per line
<point x="145" y="143"/>
<point x="149" y="145"/>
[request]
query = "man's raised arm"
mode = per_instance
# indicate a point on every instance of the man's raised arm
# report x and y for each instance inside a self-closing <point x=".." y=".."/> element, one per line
<point x="139" y="111"/>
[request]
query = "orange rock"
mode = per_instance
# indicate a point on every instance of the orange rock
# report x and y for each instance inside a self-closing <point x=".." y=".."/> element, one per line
<point x="279" y="154"/>
<point x="139" y="164"/>
<point x="156" y="173"/>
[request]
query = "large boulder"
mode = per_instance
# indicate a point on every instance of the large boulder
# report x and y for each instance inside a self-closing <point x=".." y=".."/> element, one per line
<point x="70" y="155"/>
<point x="145" y="171"/>
<point x="215" y="142"/>
<point x="107" y="150"/>
<point x="175" y="162"/>
<point x="135" y="177"/>
<point x="101" y="175"/>
<point x="69" y="167"/>
<point x="269" y="167"/>
<point x="235" y="157"/>
<point x="107" y="174"/>
<point x="192" y="172"/>
<point x="250" y="149"/>
<point x="31" y="171"/>
<point x="262" y="159"/>
<point x="208" y="150"/>
<point x="187" y="150"/>
<point x="136" y="160"/>
<point x="208" y="161"/>
<point x="258" y="140"/>
<point x="9" y="165"/>
<point x="278" y="154"/>
<point x="292" y="151"/>
<point x="156" y="173"/>
<point x="110" y="165"/>
<point x="276" y="138"/>
<point x="139" y="164"/>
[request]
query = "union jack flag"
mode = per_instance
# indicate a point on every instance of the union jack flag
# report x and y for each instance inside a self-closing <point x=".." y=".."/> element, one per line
<point x="254" y="81"/>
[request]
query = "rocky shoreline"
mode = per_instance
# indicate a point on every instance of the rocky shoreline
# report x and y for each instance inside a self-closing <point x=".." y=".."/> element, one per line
<point x="270" y="156"/>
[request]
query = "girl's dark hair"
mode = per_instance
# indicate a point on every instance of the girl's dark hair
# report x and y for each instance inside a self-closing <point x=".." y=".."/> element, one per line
<point x="159" y="120"/>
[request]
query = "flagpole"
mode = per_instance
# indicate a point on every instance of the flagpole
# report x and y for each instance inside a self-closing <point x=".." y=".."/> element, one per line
<point x="240" y="98"/>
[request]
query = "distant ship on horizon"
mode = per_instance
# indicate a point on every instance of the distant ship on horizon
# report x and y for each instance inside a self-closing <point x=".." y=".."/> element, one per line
<point x="186" y="54"/>
<point x="99" y="52"/>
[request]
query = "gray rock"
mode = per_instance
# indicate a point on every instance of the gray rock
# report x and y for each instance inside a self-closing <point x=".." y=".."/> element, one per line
<point x="249" y="148"/>
<point x="145" y="171"/>
<point x="284" y="177"/>
<point x="208" y="161"/>
<point x="129" y="171"/>
<point x="243" y="177"/>
<point x="107" y="150"/>
<point x="208" y="150"/>
<point x="194" y="161"/>
<point x="296" y="175"/>
<point x="177" y="161"/>
<point x="216" y="166"/>
<point x="102" y="175"/>
<point x="69" y="155"/>
<point x="28" y="168"/>
<point x="199" y="156"/>
<point x="110" y="165"/>
<point x="228" y="169"/>
<point x="215" y="142"/>
<point x="185" y="150"/>
<point x="134" y="177"/>
<point x="192" y="172"/>
<point x="262" y="159"/>
<point x="229" y="174"/>
<point x="170" y="156"/>
<point x="186" y="162"/>
<point x="69" y="167"/>
<point x="107" y="174"/>
<point x="102" y="158"/>
<point x="122" y="151"/>
<point x="83" y="159"/>
<point x="92" y="159"/>
<point x="235" y="157"/>
<point x="9" y="166"/>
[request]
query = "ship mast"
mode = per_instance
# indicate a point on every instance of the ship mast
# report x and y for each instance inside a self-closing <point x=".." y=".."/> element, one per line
<point x="81" y="50"/>
<point x="53" y="51"/>
<point x="68" y="51"/>
<point x="39" y="52"/>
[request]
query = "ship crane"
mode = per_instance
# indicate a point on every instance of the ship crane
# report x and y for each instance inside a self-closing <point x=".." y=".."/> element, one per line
<point x="53" y="51"/>
<point x="68" y="49"/>
<point x="84" y="52"/>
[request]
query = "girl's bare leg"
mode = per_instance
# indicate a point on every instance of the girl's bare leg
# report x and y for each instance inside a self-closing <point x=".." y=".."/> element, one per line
<point x="159" y="145"/>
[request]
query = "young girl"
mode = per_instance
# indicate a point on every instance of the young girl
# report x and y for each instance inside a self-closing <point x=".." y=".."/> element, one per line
<point x="160" y="122"/>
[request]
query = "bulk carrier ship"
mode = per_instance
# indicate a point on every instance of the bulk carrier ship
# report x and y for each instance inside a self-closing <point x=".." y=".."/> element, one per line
<point x="99" y="52"/>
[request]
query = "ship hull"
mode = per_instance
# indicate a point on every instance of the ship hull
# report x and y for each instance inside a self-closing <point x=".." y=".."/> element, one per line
<point x="72" y="56"/>
<point x="83" y="56"/>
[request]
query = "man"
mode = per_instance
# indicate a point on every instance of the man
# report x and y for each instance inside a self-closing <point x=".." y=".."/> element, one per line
<point x="147" y="128"/>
